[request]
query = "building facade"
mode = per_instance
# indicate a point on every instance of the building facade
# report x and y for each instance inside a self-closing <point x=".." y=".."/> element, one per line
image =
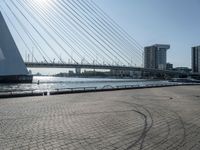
<point x="196" y="59"/>
<point x="155" y="56"/>
<point x="169" y="66"/>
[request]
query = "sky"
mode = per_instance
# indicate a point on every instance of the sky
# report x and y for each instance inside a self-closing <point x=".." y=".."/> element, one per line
<point x="174" y="22"/>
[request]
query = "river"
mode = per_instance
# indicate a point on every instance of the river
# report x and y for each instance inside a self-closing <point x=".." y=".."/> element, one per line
<point x="47" y="83"/>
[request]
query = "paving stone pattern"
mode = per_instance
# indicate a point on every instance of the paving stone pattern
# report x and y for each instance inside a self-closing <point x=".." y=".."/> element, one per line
<point x="144" y="119"/>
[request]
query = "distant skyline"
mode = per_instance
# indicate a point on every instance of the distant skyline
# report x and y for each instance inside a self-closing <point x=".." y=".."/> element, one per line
<point x="174" y="22"/>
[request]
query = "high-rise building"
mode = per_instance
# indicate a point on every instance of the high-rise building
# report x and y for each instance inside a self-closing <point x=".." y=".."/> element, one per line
<point x="196" y="59"/>
<point x="155" y="56"/>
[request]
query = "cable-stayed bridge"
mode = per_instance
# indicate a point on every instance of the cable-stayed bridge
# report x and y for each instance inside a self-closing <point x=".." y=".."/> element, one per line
<point x="70" y="34"/>
<point x="73" y="31"/>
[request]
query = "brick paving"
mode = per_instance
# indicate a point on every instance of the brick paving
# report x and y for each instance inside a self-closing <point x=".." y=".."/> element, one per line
<point x="143" y="119"/>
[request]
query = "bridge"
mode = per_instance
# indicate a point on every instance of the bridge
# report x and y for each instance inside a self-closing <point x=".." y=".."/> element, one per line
<point x="107" y="67"/>
<point x="71" y="34"/>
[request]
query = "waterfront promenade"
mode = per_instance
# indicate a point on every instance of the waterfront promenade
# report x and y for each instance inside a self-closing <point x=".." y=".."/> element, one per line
<point x="149" y="119"/>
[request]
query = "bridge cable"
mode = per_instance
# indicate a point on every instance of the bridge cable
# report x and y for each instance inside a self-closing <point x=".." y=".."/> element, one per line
<point x="61" y="26"/>
<point x="75" y="24"/>
<point x="55" y="31"/>
<point x="107" y="26"/>
<point x="102" y="28"/>
<point x="46" y="31"/>
<point x="17" y="31"/>
<point x="28" y="34"/>
<point x="66" y="21"/>
<point x="66" y="6"/>
<point x="37" y="32"/>
<point x="126" y="35"/>
<point x="100" y="31"/>
<point x="80" y="25"/>
<point x="109" y="22"/>
<point x="108" y="18"/>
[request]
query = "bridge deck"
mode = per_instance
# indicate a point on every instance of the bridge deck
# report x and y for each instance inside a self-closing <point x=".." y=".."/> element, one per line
<point x="92" y="66"/>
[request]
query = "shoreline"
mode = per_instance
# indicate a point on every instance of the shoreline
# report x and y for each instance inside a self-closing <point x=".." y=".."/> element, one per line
<point x="33" y="93"/>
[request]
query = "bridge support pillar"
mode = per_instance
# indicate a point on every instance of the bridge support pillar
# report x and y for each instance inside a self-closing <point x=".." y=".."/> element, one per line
<point x="78" y="71"/>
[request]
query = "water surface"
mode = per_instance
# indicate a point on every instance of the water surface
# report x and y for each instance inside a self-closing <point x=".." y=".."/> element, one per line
<point x="47" y="83"/>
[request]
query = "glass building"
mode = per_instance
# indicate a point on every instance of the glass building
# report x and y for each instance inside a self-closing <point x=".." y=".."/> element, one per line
<point x="155" y="56"/>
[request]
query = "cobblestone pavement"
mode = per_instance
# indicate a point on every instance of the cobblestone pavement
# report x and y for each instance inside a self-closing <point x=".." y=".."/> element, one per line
<point x="143" y="119"/>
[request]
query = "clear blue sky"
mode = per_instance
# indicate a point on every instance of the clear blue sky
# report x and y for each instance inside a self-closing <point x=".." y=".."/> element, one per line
<point x="174" y="22"/>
